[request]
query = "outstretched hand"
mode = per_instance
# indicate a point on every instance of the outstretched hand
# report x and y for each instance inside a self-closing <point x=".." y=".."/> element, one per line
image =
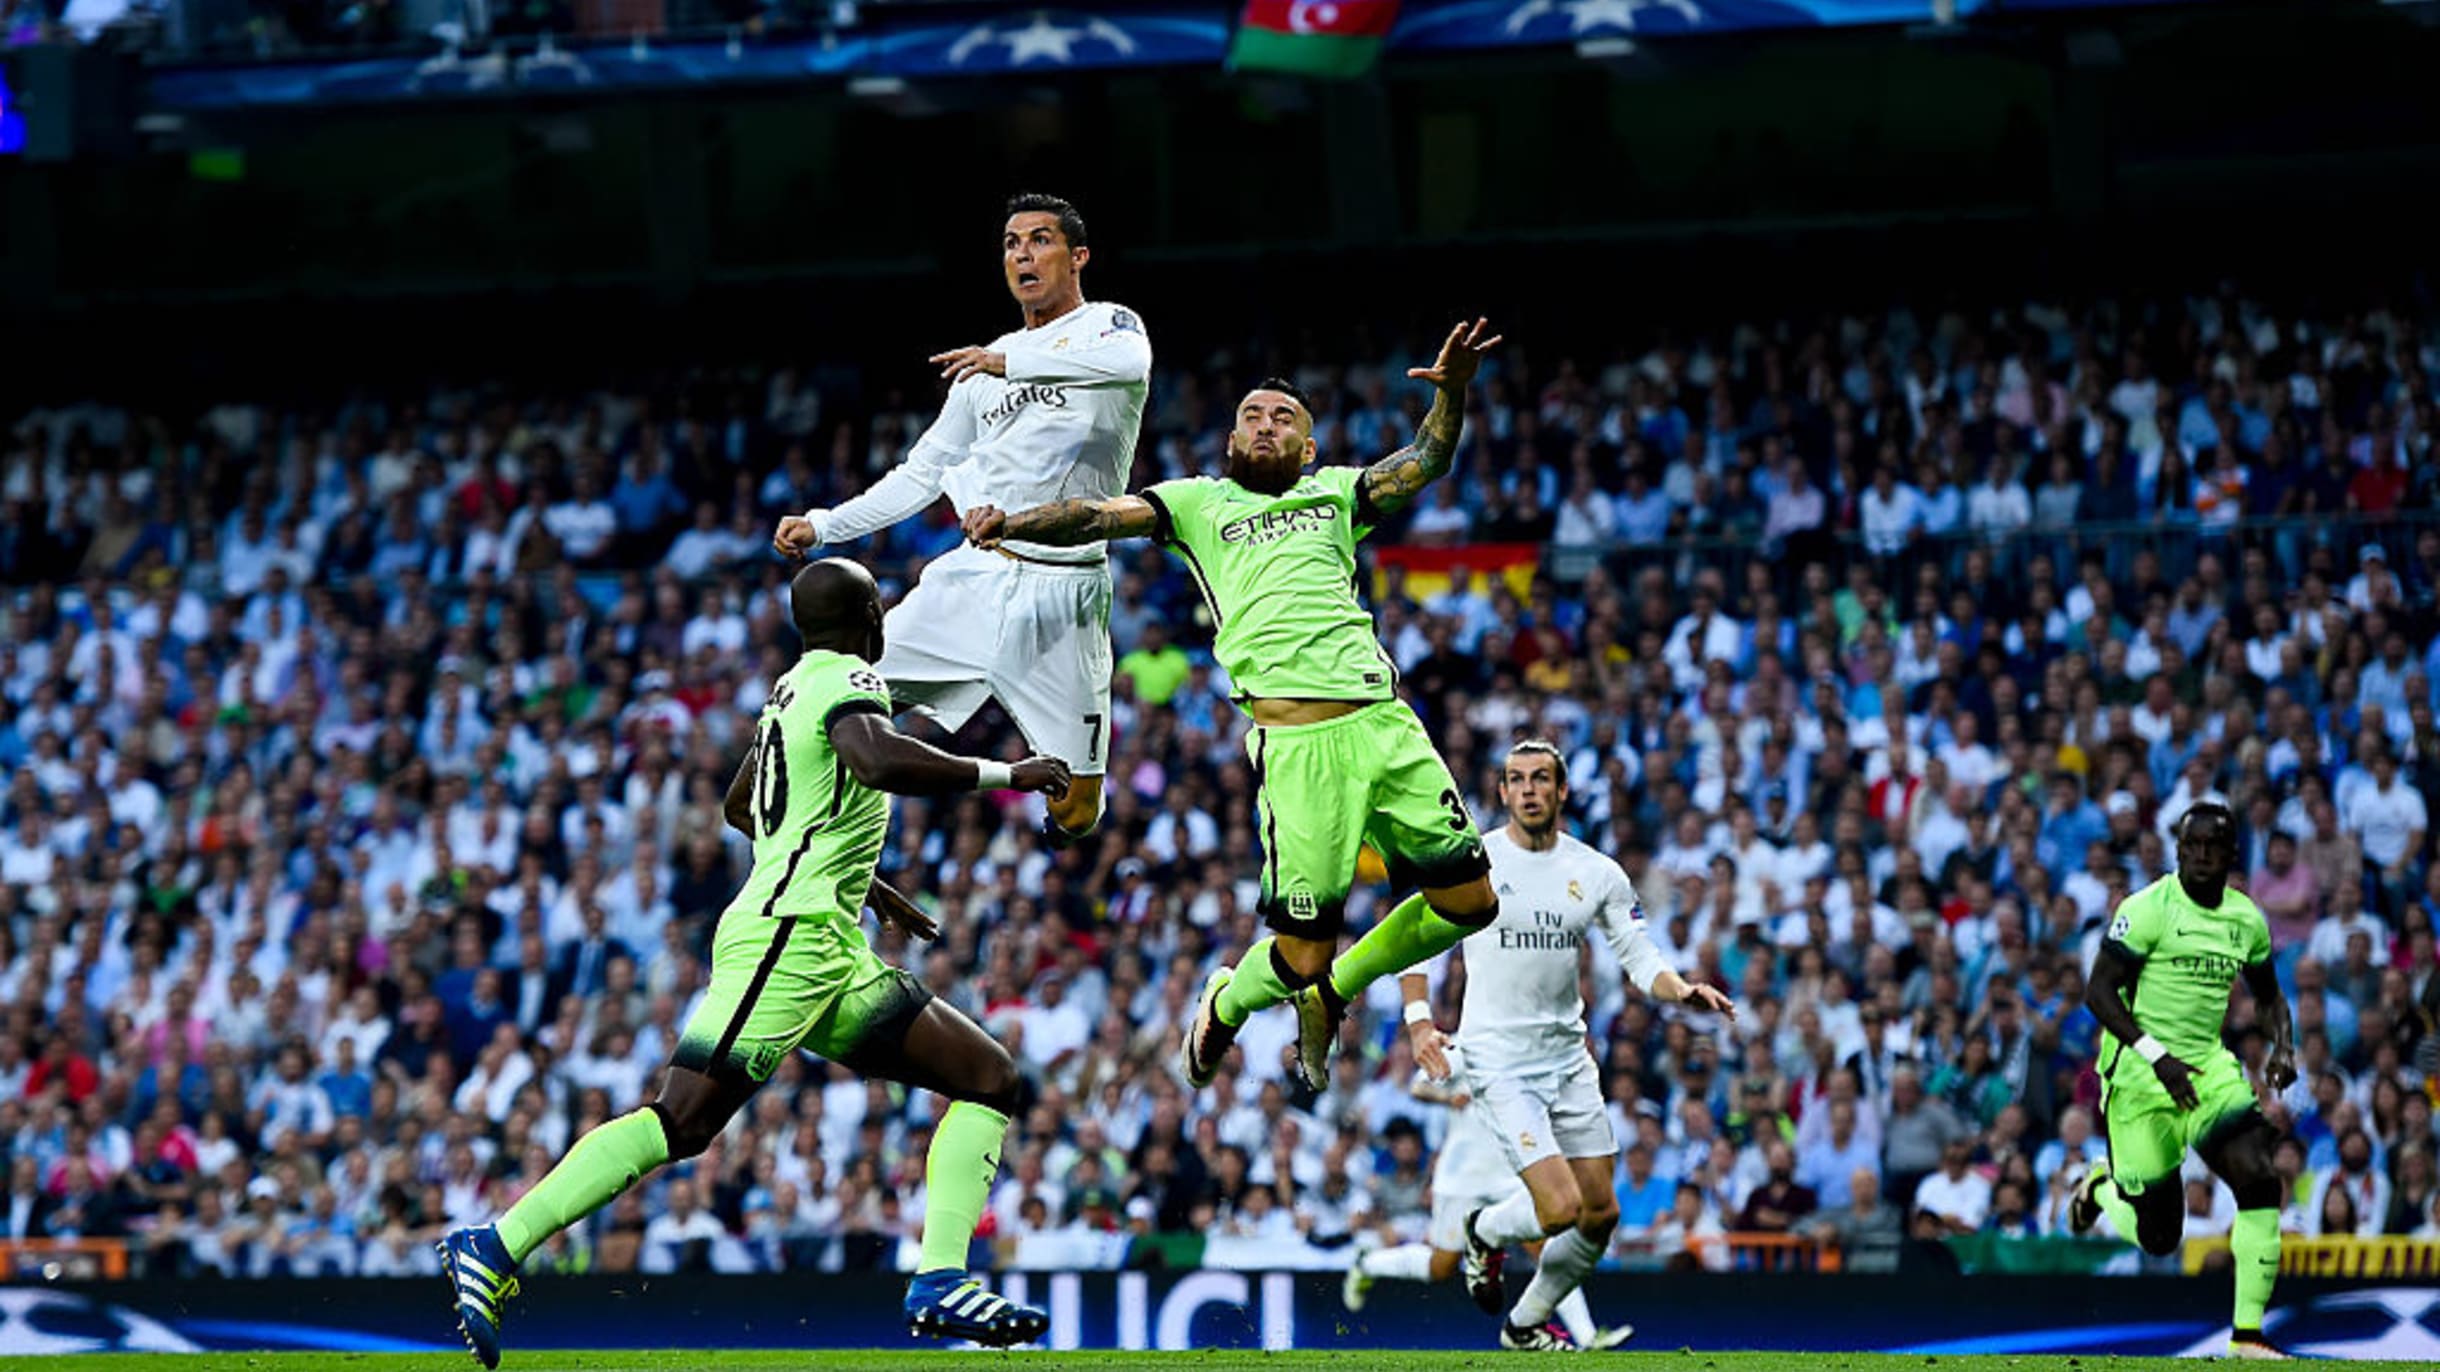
<point x="1711" y="998"/>
<point x="1459" y="356"/>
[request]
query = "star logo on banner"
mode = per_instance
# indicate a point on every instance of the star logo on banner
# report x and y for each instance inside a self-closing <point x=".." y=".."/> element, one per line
<point x="1588" y="16"/>
<point x="1042" y="40"/>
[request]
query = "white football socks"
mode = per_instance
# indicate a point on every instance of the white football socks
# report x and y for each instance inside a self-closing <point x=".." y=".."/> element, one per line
<point x="1577" y="1315"/>
<point x="1511" y="1221"/>
<point x="1566" y="1258"/>
<point x="1406" y="1262"/>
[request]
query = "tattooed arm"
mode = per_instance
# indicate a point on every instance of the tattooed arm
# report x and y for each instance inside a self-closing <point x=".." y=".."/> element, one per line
<point x="1063" y="523"/>
<point x="1391" y="484"/>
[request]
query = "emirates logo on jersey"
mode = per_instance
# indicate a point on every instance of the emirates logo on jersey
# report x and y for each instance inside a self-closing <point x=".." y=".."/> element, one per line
<point x="1018" y="397"/>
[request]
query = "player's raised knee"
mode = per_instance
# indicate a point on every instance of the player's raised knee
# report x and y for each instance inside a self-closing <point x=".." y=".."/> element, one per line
<point x="997" y="1082"/>
<point x="1300" y="962"/>
<point x="689" y="1131"/>
<point x="1474" y="904"/>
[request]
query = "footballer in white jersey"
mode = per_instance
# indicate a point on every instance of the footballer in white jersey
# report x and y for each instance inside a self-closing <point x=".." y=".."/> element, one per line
<point x="1526" y="1064"/>
<point x="1046" y="412"/>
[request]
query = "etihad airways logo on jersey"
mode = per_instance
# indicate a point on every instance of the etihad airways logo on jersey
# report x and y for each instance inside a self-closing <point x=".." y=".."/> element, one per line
<point x="1018" y="397"/>
<point x="1272" y="525"/>
<point x="1549" y="934"/>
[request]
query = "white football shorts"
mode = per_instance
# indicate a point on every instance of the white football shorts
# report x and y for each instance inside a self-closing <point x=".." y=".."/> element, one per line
<point x="1036" y="637"/>
<point x="1553" y="1112"/>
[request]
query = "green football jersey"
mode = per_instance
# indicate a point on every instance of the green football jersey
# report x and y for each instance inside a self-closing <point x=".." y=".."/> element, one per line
<point x="1279" y="573"/>
<point x="817" y="830"/>
<point x="2191" y="957"/>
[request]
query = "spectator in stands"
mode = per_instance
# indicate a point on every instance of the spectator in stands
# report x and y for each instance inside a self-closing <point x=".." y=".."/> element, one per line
<point x="1957" y="1197"/>
<point x="1156" y="667"/>
<point x="1779" y="1204"/>
<point x="2355" y="1186"/>
<point x="1831" y="1165"/>
<point x="1645" y="1197"/>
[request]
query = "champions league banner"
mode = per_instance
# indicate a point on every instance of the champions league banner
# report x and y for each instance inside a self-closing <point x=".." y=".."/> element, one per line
<point x="1019" y="41"/>
<point x="1027" y="42"/>
<point x="1448" y="25"/>
<point x="1929" y="1315"/>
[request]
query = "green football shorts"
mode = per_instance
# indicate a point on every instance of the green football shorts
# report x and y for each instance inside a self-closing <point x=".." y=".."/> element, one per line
<point x="2149" y="1135"/>
<point x="1325" y="790"/>
<point x="783" y="984"/>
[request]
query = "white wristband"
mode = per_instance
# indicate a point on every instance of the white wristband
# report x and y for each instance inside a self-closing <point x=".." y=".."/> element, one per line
<point x="2150" y="1048"/>
<point x="1418" y="1013"/>
<point x="993" y="776"/>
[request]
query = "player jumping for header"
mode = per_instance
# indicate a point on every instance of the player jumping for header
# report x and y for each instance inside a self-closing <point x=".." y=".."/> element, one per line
<point x="2160" y="987"/>
<point x="1046" y="411"/>
<point x="1525" y="1063"/>
<point x="1338" y="759"/>
<point x="791" y="968"/>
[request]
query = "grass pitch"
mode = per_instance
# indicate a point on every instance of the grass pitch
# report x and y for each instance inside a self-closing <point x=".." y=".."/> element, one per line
<point x="1209" y="1360"/>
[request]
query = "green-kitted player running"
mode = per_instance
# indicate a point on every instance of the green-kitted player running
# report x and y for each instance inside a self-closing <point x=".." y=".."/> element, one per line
<point x="791" y="969"/>
<point x="2160" y="987"/>
<point x="1339" y="760"/>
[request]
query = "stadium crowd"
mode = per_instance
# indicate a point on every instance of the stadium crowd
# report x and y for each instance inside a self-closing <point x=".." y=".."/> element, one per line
<point x="361" y="844"/>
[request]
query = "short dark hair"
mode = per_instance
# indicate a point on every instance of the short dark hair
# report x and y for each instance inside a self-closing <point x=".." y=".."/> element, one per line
<point x="1071" y="223"/>
<point x="2207" y="809"/>
<point x="1287" y="388"/>
<point x="1541" y="747"/>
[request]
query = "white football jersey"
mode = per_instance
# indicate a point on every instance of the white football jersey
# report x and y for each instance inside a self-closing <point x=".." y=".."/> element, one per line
<point x="1061" y="425"/>
<point x="1523" y="1008"/>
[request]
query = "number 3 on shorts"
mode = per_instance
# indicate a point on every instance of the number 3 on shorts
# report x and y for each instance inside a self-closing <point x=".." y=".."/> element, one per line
<point x="1459" y="820"/>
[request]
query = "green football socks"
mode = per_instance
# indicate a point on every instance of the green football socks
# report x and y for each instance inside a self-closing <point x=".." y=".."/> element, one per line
<point x="1405" y="937"/>
<point x="957" y="1177"/>
<point x="2114" y="1203"/>
<point x="1254" y="984"/>
<point x="2254" y="1242"/>
<point x="601" y="1165"/>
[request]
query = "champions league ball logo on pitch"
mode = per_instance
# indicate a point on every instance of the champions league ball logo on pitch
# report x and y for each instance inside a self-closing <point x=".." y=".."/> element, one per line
<point x="2388" y="1324"/>
<point x="35" y="1322"/>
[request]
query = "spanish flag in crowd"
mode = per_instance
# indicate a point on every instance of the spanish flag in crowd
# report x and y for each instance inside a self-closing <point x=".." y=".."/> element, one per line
<point x="1430" y="570"/>
<point x="1312" y="37"/>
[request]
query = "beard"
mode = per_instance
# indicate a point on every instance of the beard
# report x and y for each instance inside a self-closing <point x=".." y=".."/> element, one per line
<point x="1269" y="475"/>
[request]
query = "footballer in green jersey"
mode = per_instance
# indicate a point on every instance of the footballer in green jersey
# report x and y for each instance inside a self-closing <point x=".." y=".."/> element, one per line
<point x="1339" y="760"/>
<point x="791" y="969"/>
<point x="2160" y="987"/>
